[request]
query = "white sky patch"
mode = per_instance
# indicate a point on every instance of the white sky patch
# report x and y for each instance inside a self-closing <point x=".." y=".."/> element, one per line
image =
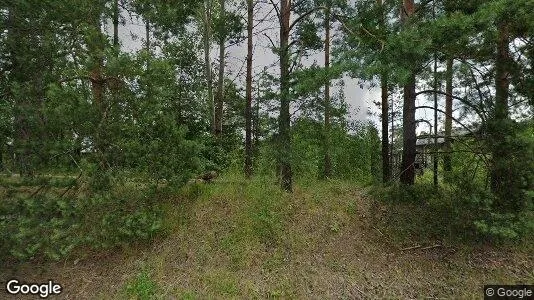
<point x="132" y="39"/>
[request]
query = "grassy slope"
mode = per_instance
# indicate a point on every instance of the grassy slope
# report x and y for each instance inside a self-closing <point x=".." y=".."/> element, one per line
<point x="236" y="240"/>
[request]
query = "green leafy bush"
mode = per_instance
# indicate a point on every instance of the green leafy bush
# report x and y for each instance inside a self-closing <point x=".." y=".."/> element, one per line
<point x="112" y="220"/>
<point x="423" y="212"/>
<point x="32" y="227"/>
<point x="50" y="227"/>
<point x="482" y="197"/>
<point x="455" y="212"/>
<point x="354" y="152"/>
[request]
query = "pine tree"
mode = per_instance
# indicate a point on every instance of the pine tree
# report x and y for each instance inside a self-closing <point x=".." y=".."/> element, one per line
<point x="408" y="122"/>
<point x="248" y="107"/>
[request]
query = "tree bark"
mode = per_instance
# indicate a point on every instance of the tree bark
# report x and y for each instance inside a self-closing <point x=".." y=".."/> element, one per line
<point x="95" y="46"/>
<point x="386" y="167"/>
<point x="219" y="97"/>
<point x="502" y="175"/>
<point x="408" y="134"/>
<point x="207" y="61"/>
<point x="248" y="107"/>
<point x="327" y="126"/>
<point x="386" y="170"/>
<point x="435" y="154"/>
<point x="392" y="144"/>
<point x="436" y="149"/>
<point x="256" y="119"/>
<point x="447" y="161"/>
<point x="116" y="23"/>
<point x="284" y="121"/>
<point x="147" y="35"/>
<point x="408" y="119"/>
<point x="502" y="73"/>
<point x="148" y="58"/>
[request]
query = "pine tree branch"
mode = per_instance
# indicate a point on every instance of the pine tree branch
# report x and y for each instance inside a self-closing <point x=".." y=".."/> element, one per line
<point x="344" y="25"/>
<point x="422" y="5"/>
<point x="304" y="15"/>
<point x="84" y="77"/>
<point x="477" y="110"/>
<point x="477" y="137"/>
<point x="277" y="10"/>
<point x="270" y="40"/>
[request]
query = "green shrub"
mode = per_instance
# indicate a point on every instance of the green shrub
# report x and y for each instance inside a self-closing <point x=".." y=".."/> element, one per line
<point x="112" y="221"/>
<point x="50" y="227"/>
<point x="354" y="156"/>
<point x="483" y="197"/>
<point x="39" y="226"/>
<point x="462" y="212"/>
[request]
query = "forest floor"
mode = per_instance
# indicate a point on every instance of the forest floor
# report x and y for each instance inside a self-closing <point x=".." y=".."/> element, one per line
<point x="232" y="239"/>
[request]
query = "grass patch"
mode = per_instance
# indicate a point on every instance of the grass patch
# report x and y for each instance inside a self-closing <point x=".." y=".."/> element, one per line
<point x="142" y="287"/>
<point x="246" y="239"/>
<point x="422" y="214"/>
<point x="188" y="295"/>
<point x="223" y="283"/>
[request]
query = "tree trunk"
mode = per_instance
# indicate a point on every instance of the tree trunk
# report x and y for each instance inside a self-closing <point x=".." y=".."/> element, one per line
<point x="408" y="119"/>
<point x="327" y="160"/>
<point x="435" y="155"/>
<point x="148" y="58"/>
<point x="207" y="61"/>
<point x="284" y="122"/>
<point x="447" y="162"/>
<point x="408" y="134"/>
<point x="392" y="144"/>
<point x="436" y="149"/>
<point x="248" y="107"/>
<point x="386" y="171"/>
<point x="219" y="98"/>
<point x="96" y="47"/>
<point x="386" y="167"/>
<point x="116" y="24"/>
<point x="502" y="73"/>
<point x="147" y="35"/>
<point x="256" y="119"/>
<point x="503" y="179"/>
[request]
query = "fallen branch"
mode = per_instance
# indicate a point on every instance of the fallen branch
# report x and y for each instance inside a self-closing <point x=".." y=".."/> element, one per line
<point x="431" y="247"/>
<point x="378" y="231"/>
<point x="71" y="186"/>
<point x="360" y="291"/>
<point x="421" y="247"/>
<point x="411" y="248"/>
<point x="37" y="191"/>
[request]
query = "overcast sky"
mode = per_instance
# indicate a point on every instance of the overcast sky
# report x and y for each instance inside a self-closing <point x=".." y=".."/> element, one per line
<point x="358" y="99"/>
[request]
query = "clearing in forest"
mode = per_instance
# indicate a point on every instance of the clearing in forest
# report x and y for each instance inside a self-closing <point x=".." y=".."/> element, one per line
<point x="233" y="239"/>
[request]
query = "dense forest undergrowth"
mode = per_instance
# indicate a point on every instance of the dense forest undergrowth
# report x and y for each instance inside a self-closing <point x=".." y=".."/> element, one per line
<point x="137" y="163"/>
<point x="238" y="238"/>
